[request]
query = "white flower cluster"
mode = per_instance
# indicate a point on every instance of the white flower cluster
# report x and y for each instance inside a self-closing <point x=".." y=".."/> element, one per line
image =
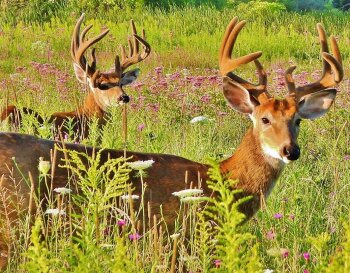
<point x="126" y="197"/>
<point x="55" y="212"/>
<point x="140" y="165"/>
<point x="62" y="190"/>
<point x="189" y="195"/>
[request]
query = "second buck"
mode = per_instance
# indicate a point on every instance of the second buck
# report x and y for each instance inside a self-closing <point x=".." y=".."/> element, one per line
<point x="257" y="162"/>
<point x="106" y="87"/>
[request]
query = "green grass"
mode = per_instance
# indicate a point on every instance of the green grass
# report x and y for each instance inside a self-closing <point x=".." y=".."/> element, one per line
<point x="312" y="193"/>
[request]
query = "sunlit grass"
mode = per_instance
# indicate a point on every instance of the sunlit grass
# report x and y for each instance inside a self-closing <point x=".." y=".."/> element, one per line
<point x="312" y="193"/>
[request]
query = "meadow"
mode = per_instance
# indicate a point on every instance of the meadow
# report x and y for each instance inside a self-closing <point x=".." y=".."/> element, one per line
<point x="304" y="225"/>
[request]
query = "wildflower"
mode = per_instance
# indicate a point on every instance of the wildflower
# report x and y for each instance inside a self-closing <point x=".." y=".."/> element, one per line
<point x="140" y="165"/>
<point x="284" y="252"/>
<point x="306" y="271"/>
<point x="188" y="192"/>
<point x="346" y="157"/>
<point x="55" y="212"/>
<point x="217" y="263"/>
<point x="270" y="235"/>
<point x="268" y="271"/>
<point x="121" y="222"/>
<point x="205" y="98"/>
<point x="126" y="197"/>
<point x="140" y="127"/>
<point x="306" y="256"/>
<point x="44" y="166"/>
<point x="158" y="69"/>
<point x="192" y="199"/>
<point x="62" y="190"/>
<point x="185" y="72"/>
<point x="134" y="236"/>
<point x="107" y="246"/>
<point x="278" y="252"/>
<point x="175" y="236"/>
<point x="278" y="216"/>
<point x="198" y="119"/>
<point x="291" y="217"/>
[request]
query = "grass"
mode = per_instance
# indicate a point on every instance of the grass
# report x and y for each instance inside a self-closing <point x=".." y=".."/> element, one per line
<point x="312" y="193"/>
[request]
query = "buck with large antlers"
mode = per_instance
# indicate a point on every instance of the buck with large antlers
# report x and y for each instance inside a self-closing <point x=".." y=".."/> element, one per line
<point x="257" y="162"/>
<point x="106" y="87"/>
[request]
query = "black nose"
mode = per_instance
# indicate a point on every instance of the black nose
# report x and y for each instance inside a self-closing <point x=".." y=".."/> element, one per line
<point x="124" y="98"/>
<point x="291" y="152"/>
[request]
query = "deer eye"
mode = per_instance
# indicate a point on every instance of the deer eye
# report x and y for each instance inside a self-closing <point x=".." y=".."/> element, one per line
<point x="103" y="86"/>
<point x="297" y="122"/>
<point x="265" y="120"/>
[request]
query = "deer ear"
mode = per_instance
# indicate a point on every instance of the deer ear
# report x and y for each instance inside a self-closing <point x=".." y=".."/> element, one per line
<point x="238" y="97"/>
<point x="79" y="73"/>
<point x="129" y="76"/>
<point x="316" y="104"/>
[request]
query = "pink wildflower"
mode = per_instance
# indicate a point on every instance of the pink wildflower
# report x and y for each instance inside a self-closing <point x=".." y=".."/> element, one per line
<point x="134" y="236"/>
<point x="306" y="256"/>
<point x="278" y="216"/>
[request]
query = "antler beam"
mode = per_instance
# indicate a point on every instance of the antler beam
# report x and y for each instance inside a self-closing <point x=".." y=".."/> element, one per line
<point x="227" y="64"/>
<point x="332" y="69"/>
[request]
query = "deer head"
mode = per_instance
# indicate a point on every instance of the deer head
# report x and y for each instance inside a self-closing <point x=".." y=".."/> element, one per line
<point x="276" y="122"/>
<point x="107" y="87"/>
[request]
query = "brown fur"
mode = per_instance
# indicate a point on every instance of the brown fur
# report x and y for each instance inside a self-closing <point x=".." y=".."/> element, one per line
<point x="79" y="117"/>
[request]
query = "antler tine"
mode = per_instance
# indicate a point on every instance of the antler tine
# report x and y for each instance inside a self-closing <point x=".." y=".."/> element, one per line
<point x="227" y="64"/>
<point x="135" y="43"/>
<point x="290" y="81"/>
<point x="134" y="55"/>
<point x="332" y="73"/>
<point x="228" y="31"/>
<point x="75" y="36"/>
<point x="146" y="46"/>
<point x="79" y="46"/>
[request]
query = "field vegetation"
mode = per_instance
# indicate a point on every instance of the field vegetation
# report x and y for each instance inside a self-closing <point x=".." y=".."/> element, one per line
<point x="304" y="225"/>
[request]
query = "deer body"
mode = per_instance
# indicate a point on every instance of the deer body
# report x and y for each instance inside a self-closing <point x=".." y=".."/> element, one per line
<point x="79" y="118"/>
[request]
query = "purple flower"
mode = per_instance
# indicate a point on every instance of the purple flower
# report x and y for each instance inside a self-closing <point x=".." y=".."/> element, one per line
<point x="158" y="70"/>
<point x="206" y="98"/>
<point x="306" y="256"/>
<point x="346" y="157"/>
<point x="270" y="235"/>
<point x="284" y="252"/>
<point x="306" y="271"/>
<point x="278" y="216"/>
<point x="121" y="222"/>
<point x="140" y="127"/>
<point x="217" y="263"/>
<point x="134" y="236"/>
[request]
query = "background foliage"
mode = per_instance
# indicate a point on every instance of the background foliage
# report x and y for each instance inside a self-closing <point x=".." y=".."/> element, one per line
<point x="40" y="11"/>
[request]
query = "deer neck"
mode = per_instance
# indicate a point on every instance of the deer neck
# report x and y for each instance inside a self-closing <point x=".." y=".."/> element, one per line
<point x="91" y="108"/>
<point x="255" y="171"/>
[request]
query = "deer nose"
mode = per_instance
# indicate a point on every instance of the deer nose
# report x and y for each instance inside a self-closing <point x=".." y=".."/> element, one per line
<point x="124" y="98"/>
<point x="291" y="152"/>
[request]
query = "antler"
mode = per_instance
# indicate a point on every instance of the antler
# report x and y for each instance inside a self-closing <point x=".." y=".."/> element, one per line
<point x="79" y="47"/>
<point x="134" y="56"/>
<point x="330" y="63"/>
<point x="227" y="64"/>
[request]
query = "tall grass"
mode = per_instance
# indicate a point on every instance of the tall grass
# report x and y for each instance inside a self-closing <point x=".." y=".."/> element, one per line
<point x="306" y="210"/>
